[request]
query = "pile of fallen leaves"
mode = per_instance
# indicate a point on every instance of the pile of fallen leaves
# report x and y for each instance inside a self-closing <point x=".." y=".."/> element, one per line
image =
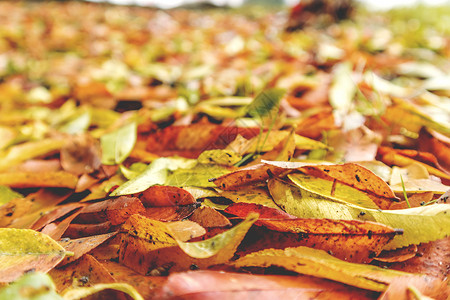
<point x="211" y="155"/>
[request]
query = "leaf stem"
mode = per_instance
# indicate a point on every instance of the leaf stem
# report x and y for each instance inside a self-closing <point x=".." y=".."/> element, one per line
<point x="404" y="191"/>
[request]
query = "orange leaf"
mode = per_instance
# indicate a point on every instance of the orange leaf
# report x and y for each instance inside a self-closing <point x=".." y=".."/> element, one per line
<point x="248" y="175"/>
<point x="161" y="195"/>
<point x="86" y="271"/>
<point x="116" y="210"/>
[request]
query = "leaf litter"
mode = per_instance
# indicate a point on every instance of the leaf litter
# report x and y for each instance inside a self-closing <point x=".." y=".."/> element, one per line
<point x="138" y="146"/>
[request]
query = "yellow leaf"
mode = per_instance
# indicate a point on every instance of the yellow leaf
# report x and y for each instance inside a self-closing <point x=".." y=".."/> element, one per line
<point x="17" y="154"/>
<point x="23" y="250"/>
<point x="333" y="190"/>
<point x="39" y="179"/>
<point x="318" y="263"/>
<point x="150" y="244"/>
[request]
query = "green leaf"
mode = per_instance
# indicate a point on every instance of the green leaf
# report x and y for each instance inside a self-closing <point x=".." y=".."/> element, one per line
<point x="333" y="191"/>
<point x="134" y="170"/>
<point x="22" y="250"/>
<point x="31" y="286"/>
<point x="117" y="145"/>
<point x="77" y="125"/>
<point x="198" y="176"/>
<point x="419" y="224"/>
<point x="7" y="194"/>
<point x="264" y="102"/>
<point x="82" y="292"/>
<point x="318" y="263"/>
<point x="156" y="173"/>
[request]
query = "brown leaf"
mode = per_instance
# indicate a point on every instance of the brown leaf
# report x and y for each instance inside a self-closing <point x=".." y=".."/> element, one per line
<point x="56" y="231"/>
<point x="170" y="213"/>
<point x="431" y="259"/>
<point x="353" y="241"/>
<point x="83" y="245"/>
<point x="209" y="217"/>
<point x="23" y="213"/>
<point x="145" y="285"/>
<point x="191" y="140"/>
<point x="80" y="155"/>
<point x="439" y="148"/>
<point x="55" y="214"/>
<point x="404" y="289"/>
<point x="75" y="231"/>
<point x="397" y="255"/>
<point x="86" y="271"/>
<point x="116" y="211"/>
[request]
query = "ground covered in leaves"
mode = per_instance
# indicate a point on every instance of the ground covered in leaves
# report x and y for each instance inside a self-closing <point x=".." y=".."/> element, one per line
<point x="211" y="154"/>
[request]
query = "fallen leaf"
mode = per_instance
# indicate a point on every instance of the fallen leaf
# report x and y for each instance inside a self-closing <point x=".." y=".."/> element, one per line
<point x="431" y="259"/>
<point x="117" y="145"/>
<point x="115" y="210"/>
<point x="413" y="288"/>
<point x="75" y="231"/>
<point x="81" y="155"/>
<point x="353" y="175"/>
<point x="219" y="156"/>
<point x="247" y="176"/>
<point x="83" y="245"/>
<point x="31" y="286"/>
<point x="86" y="271"/>
<point x="22" y="152"/>
<point x="318" y="263"/>
<point x="145" y="285"/>
<point x="160" y="195"/>
<point x="250" y="194"/>
<point x="304" y="204"/>
<point x="155" y="173"/>
<point x="225" y="285"/>
<point x="353" y="241"/>
<point x="149" y="244"/>
<point x="170" y="213"/>
<point x="334" y="191"/>
<point x="209" y="217"/>
<point x="39" y="179"/>
<point x="25" y="250"/>
<point x="7" y="194"/>
<point x="398" y="255"/>
<point x="83" y="292"/>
